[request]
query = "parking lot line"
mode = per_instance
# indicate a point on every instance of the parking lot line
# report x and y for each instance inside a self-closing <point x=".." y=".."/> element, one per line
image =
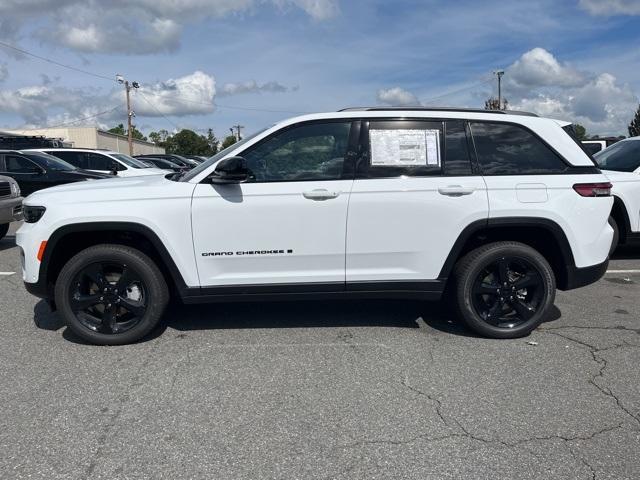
<point x="6" y="274"/>
<point x="623" y="271"/>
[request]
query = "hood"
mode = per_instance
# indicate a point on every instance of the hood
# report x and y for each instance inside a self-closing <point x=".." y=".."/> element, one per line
<point x="92" y="175"/>
<point x="140" y="172"/>
<point x="617" y="177"/>
<point x="114" y="189"/>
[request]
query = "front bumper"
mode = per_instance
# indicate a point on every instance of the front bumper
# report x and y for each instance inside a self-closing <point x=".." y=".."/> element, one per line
<point x="580" y="277"/>
<point x="10" y="210"/>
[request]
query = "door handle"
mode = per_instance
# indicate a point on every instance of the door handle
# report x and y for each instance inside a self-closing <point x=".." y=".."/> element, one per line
<point x="456" y="190"/>
<point x="320" y="194"/>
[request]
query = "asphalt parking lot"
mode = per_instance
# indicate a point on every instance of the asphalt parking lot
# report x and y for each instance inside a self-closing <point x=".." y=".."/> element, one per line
<point x="344" y="390"/>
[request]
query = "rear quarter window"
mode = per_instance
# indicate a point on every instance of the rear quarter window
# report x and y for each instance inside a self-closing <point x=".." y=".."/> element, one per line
<point x="507" y="149"/>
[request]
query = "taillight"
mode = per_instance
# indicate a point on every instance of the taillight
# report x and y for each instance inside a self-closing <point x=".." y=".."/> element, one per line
<point x="593" y="189"/>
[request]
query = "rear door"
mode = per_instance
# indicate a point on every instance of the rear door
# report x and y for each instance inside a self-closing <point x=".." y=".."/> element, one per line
<point x="416" y="189"/>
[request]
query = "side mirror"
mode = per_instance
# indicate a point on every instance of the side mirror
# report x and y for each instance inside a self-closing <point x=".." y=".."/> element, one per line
<point x="37" y="170"/>
<point x="230" y="170"/>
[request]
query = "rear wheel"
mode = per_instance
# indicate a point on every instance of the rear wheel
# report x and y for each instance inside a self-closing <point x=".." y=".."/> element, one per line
<point x="504" y="289"/>
<point x="3" y="230"/>
<point x="111" y="294"/>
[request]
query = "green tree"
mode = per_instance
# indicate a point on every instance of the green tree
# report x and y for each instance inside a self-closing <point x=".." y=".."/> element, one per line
<point x="580" y="131"/>
<point x="213" y="143"/>
<point x="188" y="142"/>
<point x="634" y="126"/>
<point x="228" y="141"/>
<point x="120" y="130"/>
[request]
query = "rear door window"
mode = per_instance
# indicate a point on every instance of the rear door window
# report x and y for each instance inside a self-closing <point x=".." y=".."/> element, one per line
<point x="95" y="161"/>
<point x="77" y="159"/>
<point x="507" y="149"/>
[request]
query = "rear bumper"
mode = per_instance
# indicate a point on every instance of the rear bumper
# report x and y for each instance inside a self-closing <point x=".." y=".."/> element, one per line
<point x="580" y="277"/>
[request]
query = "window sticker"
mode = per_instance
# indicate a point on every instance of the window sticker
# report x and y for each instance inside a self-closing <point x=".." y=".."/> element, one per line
<point x="394" y="148"/>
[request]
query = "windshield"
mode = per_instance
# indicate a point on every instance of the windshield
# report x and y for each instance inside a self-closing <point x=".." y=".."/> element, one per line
<point x="620" y="157"/>
<point x="218" y="156"/>
<point x="49" y="162"/>
<point x="129" y="161"/>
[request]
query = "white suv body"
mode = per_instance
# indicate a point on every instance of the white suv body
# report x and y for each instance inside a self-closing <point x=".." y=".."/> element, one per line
<point x="367" y="202"/>
<point x="103" y="161"/>
<point x="620" y="162"/>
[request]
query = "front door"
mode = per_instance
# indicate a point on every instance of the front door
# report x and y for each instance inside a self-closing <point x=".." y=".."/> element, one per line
<point x="287" y="224"/>
<point x="30" y="177"/>
<point x="415" y="191"/>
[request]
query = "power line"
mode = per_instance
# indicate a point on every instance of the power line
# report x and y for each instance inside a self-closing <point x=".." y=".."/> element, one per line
<point x="83" y="118"/>
<point x="156" y="109"/>
<point x="460" y="90"/>
<point x="97" y="75"/>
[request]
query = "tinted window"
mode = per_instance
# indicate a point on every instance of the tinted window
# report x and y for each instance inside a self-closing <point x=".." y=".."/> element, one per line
<point x="96" y="161"/>
<point x="403" y="147"/>
<point x="308" y="152"/>
<point x="49" y="162"/>
<point x="621" y="156"/>
<point x="77" y="159"/>
<point x="457" y="160"/>
<point x="16" y="164"/>
<point x="505" y="149"/>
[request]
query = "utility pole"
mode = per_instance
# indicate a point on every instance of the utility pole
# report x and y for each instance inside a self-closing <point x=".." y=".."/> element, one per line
<point x="499" y="74"/>
<point x="237" y="128"/>
<point x="130" y="113"/>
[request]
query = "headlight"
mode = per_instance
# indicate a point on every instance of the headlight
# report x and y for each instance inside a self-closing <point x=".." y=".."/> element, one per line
<point x="15" y="188"/>
<point x="32" y="214"/>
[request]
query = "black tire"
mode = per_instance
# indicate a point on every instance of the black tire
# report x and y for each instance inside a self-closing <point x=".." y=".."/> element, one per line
<point x="111" y="294"/>
<point x="486" y="291"/>
<point x="3" y="230"/>
<point x="616" y="235"/>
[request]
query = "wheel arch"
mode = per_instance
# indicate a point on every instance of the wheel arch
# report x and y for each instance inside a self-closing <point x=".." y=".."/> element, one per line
<point x="542" y="234"/>
<point x="621" y="216"/>
<point x="68" y="240"/>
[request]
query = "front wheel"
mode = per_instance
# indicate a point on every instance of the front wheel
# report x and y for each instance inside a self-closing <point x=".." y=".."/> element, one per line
<point x="504" y="289"/>
<point x="111" y="294"/>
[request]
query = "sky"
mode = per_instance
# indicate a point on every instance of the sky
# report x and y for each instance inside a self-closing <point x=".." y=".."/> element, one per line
<point x="217" y="63"/>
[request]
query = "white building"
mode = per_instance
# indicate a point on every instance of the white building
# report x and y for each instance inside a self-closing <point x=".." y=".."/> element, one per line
<point x="92" y="137"/>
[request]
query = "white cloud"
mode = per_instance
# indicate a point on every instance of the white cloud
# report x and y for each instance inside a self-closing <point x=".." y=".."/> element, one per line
<point x="252" y="86"/>
<point x="538" y="67"/>
<point x="132" y="26"/>
<point x="189" y="95"/>
<point x="397" y="96"/>
<point x="611" y="7"/>
<point x="538" y="82"/>
<point x="41" y="105"/>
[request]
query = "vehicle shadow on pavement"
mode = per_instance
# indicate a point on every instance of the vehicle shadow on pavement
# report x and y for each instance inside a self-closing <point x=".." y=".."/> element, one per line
<point x="281" y="315"/>
<point x="7" y="243"/>
<point x="627" y="252"/>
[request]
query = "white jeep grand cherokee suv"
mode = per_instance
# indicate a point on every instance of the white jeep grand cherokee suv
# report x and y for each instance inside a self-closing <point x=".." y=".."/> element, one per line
<point x="495" y="209"/>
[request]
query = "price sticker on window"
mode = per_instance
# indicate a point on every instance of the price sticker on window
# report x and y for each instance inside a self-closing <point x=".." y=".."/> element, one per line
<point x="395" y="148"/>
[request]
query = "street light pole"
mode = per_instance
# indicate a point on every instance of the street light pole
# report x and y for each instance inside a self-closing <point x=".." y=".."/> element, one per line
<point x="499" y="74"/>
<point x="129" y="115"/>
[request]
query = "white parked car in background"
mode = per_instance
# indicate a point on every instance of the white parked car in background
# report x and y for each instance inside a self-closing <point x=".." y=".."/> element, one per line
<point x="621" y="164"/>
<point x="104" y="161"/>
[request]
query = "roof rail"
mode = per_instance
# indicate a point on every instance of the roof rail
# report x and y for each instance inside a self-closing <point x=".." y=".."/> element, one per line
<point x="436" y="109"/>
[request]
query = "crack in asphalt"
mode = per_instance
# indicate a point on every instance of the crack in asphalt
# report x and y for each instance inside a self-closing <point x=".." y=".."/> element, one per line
<point x="602" y="363"/>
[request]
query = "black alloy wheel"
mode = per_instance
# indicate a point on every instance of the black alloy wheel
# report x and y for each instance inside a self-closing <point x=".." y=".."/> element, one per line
<point x="503" y="289"/>
<point x="111" y="294"/>
<point x="507" y="292"/>
<point x="108" y="298"/>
